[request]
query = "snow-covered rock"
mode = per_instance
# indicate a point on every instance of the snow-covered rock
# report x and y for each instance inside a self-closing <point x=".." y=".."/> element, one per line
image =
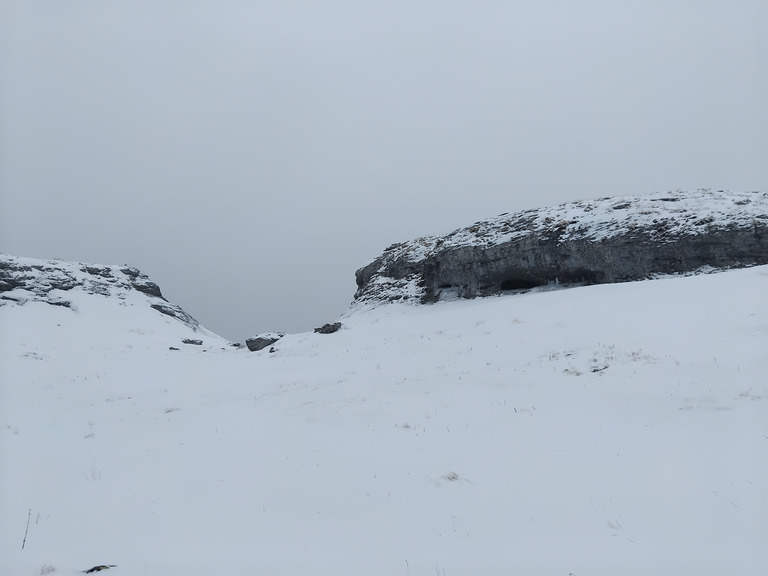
<point x="261" y="341"/>
<point x="590" y="242"/>
<point x="89" y="293"/>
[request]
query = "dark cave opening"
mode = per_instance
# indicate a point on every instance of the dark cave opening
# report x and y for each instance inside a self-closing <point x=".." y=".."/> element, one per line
<point x="518" y="284"/>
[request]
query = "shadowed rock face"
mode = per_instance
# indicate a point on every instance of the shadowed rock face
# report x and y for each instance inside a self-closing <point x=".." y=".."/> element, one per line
<point x="600" y="241"/>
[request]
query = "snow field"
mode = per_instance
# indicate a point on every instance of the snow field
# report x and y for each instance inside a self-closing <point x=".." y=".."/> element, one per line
<point x="599" y="430"/>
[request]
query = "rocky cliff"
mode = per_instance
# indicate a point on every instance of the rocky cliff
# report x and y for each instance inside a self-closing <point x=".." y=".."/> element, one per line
<point x="52" y="281"/>
<point x="590" y="242"/>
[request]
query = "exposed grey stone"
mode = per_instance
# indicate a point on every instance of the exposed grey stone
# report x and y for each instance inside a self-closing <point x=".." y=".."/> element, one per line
<point x="145" y="285"/>
<point x="601" y="241"/>
<point x="175" y="311"/>
<point x="263" y="340"/>
<point x="104" y="271"/>
<point x="328" y="328"/>
<point x="25" y="279"/>
<point x="192" y="341"/>
<point x="41" y="279"/>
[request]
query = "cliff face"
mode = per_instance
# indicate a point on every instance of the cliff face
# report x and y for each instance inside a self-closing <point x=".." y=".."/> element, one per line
<point x="52" y="281"/>
<point x="598" y="241"/>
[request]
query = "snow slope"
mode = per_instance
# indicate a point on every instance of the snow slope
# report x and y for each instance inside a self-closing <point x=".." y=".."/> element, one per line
<point x="111" y="307"/>
<point x="611" y="429"/>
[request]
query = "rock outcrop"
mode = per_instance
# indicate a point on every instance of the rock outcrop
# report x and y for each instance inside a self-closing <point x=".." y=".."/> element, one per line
<point x="328" y="328"/>
<point x="49" y="281"/>
<point x="261" y="341"/>
<point x="591" y="242"/>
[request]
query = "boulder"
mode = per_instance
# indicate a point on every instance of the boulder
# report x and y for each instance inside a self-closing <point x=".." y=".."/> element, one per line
<point x="261" y="341"/>
<point x="328" y="328"/>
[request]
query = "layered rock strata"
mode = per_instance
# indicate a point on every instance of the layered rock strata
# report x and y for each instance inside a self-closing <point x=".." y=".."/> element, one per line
<point x="589" y="242"/>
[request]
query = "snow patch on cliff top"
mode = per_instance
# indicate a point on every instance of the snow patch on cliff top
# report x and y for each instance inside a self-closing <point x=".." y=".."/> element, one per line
<point x="681" y="213"/>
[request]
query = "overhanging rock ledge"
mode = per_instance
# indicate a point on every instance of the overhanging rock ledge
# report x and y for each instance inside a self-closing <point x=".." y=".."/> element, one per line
<point x="590" y="242"/>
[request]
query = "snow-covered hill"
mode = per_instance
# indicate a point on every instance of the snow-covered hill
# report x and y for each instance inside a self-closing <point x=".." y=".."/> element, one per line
<point x="610" y="429"/>
<point x="115" y="307"/>
<point x="606" y="240"/>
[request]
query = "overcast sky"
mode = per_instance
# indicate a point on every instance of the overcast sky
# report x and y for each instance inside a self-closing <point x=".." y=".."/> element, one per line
<point x="250" y="156"/>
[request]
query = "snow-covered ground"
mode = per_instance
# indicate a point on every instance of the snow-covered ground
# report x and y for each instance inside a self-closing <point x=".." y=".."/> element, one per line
<point x="603" y="430"/>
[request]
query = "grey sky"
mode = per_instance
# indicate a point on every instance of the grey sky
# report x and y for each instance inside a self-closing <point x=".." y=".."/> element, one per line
<point x="250" y="156"/>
